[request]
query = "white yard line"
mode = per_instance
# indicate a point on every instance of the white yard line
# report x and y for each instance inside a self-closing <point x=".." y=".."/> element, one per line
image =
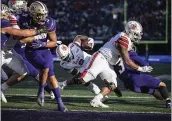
<point x="86" y="96"/>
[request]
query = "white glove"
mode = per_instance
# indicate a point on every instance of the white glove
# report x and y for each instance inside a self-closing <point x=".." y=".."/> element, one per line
<point x="59" y="42"/>
<point x="145" y="69"/>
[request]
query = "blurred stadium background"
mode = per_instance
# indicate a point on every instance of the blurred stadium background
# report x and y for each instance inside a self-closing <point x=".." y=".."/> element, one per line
<point x="101" y="19"/>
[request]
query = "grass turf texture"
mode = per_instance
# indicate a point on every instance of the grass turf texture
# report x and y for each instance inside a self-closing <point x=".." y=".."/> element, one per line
<point x="77" y="97"/>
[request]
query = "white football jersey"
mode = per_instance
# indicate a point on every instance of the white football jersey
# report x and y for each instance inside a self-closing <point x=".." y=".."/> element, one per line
<point x="109" y="49"/>
<point x="78" y="58"/>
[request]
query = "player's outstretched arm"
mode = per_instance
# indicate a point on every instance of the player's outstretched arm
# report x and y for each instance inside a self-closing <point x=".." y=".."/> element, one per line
<point x="33" y="38"/>
<point x="125" y="56"/>
<point x="19" y="32"/>
<point x="134" y="56"/>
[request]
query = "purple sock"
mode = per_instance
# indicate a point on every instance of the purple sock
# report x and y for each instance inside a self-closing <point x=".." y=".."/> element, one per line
<point x="41" y="89"/>
<point x="46" y="88"/>
<point x="56" y="92"/>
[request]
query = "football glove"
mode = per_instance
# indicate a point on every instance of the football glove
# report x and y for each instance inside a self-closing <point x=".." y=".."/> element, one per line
<point x="145" y="69"/>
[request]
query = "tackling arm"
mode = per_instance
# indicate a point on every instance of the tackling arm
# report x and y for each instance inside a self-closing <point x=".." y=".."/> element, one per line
<point x="137" y="59"/>
<point x="28" y="39"/>
<point x="19" y="32"/>
<point x="53" y="39"/>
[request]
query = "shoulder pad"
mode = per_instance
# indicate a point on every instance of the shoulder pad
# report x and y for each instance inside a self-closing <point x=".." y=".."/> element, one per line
<point x="50" y="24"/>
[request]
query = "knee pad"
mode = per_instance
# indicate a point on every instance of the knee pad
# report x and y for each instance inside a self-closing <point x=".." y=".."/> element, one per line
<point x="110" y="85"/>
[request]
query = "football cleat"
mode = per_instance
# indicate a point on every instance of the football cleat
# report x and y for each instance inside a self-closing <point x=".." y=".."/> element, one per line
<point x="40" y="100"/>
<point x="3" y="97"/>
<point x="97" y="103"/>
<point x="52" y="95"/>
<point x="168" y="103"/>
<point x="62" y="109"/>
<point x="61" y="85"/>
<point x="118" y="92"/>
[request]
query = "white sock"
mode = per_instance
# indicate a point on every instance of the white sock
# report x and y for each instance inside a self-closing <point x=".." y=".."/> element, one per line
<point x="93" y="88"/>
<point x="4" y="86"/>
<point x="99" y="96"/>
<point x="65" y="83"/>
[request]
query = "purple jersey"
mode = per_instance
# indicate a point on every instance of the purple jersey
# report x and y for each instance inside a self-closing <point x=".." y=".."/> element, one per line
<point x="134" y="80"/>
<point x="41" y="58"/>
<point x="26" y="22"/>
<point x="4" y="23"/>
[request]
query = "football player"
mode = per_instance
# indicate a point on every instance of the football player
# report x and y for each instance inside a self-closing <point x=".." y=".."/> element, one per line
<point x="107" y="56"/>
<point x="141" y="82"/>
<point x="18" y="9"/>
<point x="74" y="60"/>
<point x="38" y="53"/>
<point x="9" y="57"/>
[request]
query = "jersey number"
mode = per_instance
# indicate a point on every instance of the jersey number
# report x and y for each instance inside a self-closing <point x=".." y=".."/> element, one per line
<point x="119" y="68"/>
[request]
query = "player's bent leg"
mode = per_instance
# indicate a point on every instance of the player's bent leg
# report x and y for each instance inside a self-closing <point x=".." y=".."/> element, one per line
<point x="115" y="89"/>
<point x="165" y="94"/>
<point x="157" y="94"/>
<point x="3" y="98"/>
<point x="43" y="78"/>
<point x="55" y="88"/>
<point x="97" y="100"/>
<point x="11" y="81"/>
<point x="95" y="90"/>
<point x="4" y="76"/>
<point x="17" y="64"/>
<point x="93" y="87"/>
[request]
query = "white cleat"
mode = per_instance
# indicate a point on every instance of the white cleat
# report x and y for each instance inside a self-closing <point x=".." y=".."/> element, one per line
<point x="61" y="85"/>
<point x="52" y="95"/>
<point x="97" y="103"/>
<point x="3" y="97"/>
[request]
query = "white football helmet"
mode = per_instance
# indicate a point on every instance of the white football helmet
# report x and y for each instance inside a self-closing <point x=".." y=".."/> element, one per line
<point x="62" y="51"/>
<point x="134" y="30"/>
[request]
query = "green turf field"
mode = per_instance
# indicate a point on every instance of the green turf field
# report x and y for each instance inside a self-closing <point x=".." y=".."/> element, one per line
<point x="77" y="97"/>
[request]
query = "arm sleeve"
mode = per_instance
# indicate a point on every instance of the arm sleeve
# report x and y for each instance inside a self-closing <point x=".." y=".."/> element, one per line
<point x="134" y="56"/>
